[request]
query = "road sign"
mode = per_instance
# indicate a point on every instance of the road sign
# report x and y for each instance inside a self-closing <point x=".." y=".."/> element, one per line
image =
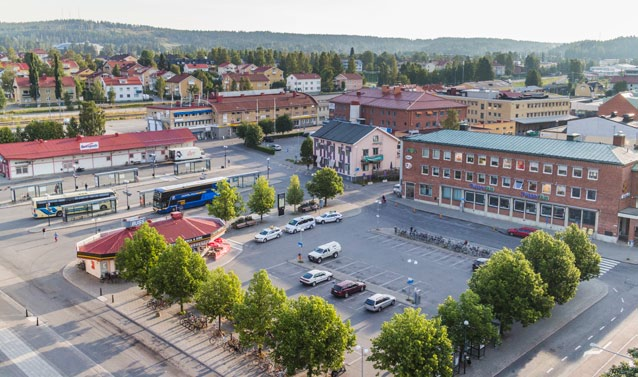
<point x="300" y="244"/>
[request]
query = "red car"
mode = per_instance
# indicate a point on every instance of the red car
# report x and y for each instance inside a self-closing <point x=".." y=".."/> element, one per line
<point x="346" y="287"/>
<point x="521" y="232"/>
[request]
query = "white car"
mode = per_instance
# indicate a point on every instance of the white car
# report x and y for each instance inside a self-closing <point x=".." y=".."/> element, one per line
<point x="377" y="302"/>
<point x="329" y="217"/>
<point x="268" y="234"/>
<point x="276" y="147"/>
<point x="313" y="277"/>
<point x="397" y="190"/>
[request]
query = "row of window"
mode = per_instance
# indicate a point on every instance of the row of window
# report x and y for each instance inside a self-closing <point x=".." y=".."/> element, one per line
<point x="508" y="182"/>
<point x="509" y="163"/>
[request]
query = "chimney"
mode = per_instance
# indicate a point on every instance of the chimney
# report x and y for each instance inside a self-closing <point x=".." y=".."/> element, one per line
<point x="358" y="94"/>
<point x="619" y="139"/>
<point x="397" y="90"/>
<point x="385" y="89"/>
<point x="627" y="117"/>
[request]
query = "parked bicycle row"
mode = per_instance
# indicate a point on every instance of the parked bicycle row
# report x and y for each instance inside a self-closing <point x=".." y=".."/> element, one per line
<point x="444" y="242"/>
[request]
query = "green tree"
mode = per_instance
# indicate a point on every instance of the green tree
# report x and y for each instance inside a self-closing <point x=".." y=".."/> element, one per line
<point x="73" y="128"/>
<point x="193" y="91"/>
<point x="116" y="71"/>
<point x="228" y="203"/>
<point x="34" y="75"/>
<point x="309" y="334"/>
<point x="175" y="69"/>
<point x="253" y="135"/>
<point x="178" y="274"/>
<point x="160" y="85"/>
<point x="532" y="62"/>
<point x="147" y="58"/>
<point x="111" y="96"/>
<point x="256" y="315"/>
<point x="7" y="80"/>
<point x="267" y="126"/>
<point x="43" y="129"/>
<point x="326" y="184"/>
<point x="92" y="119"/>
<point x="479" y="328"/>
<point x="262" y="199"/>
<point x="294" y="195"/>
<point x="139" y="255"/>
<point x="554" y="261"/>
<point x="241" y="130"/>
<point x="620" y="87"/>
<point x="533" y="78"/>
<point x="452" y="122"/>
<point x="509" y="284"/>
<point x="283" y="124"/>
<point x="68" y="101"/>
<point x="306" y="151"/>
<point x="57" y="74"/>
<point x="79" y="90"/>
<point x="411" y="345"/>
<point x="587" y="259"/>
<point x="6" y="135"/>
<point x="163" y="63"/>
<point x="624" y="369"/>
<point x="484" y="70"/>
<point x="218" y="294"/>
<point x="352" y="65"/>
<point x="97" y="92"/>
<point x="3" y="99"/>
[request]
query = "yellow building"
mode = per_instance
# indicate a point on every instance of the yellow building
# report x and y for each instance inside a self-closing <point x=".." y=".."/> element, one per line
<point x="46" y="85"/>
<point x="178" y="87"/>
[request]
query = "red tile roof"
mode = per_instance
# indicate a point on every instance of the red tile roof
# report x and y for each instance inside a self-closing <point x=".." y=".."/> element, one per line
<point x="306" y="76"/>
<point x="351" y="76"/>
<point x="262" y="69"/>
<point x="109" y="244"/>
<point x="45" y="82"/>
<point x="265" y="102"/>
<point x="627" y="79"/>
<point x="15" y="66"/>
<point x="122" y="81"/>
<point x="404" y="100"/>
<point x="197" y="66"/>
<point x="179" y="78"/>
<point x="32" y="150"/>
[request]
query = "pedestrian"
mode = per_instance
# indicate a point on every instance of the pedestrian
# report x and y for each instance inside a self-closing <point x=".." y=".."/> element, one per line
<point x="86" y="186"/>
<point x="411" y="229"/>
<point x="44" y="231"/>
<point x="55" y="236"/>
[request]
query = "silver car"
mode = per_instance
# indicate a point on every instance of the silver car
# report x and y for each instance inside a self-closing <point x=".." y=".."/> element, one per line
<point x="329" y="217"/>
<point x="313" y="277"/>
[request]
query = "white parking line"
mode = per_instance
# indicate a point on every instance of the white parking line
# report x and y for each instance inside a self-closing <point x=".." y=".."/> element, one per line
<point x="602" y="328"/>
<point x="564" y="358"/>
<point x="577" y="348"/>
<point x="392" y="280"/>
<point x="549" y="370"/>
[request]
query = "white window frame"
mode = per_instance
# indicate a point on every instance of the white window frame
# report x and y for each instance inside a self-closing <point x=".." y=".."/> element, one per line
<point x="580" y="192"/>
<point x="425" y="152"/>
<point x="469" y="158"/>
<point x="436" y="171"/>
<point x="592" y="174"/>
<point x="493" y="177"/>
<point x="587" y="195"/>
<point x="507" y="163"/>
<point x="436" y="154"/>
<point x="518" y="184"/>
<point x="482" y="159"/>
<point x="561" y="170"/>
<point x="480" y="178"/>
<point x="529" y="186"/>
<point x="561" y="190"/>
<point x="446" y="173"/>
<point x="425" y="169"/>
<point x="533" y="166"/>
<point x="506" y="182"/>
<point x="577" y="169"/>
<point x="494" y="160"/>
<point x="548" y="169"/>
<point x="447" y="155"/>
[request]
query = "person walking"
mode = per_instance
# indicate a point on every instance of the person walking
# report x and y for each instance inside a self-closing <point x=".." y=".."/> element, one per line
<point x="55" y="236"/>
<point x="86" y="186"/>
<point x="44" y="232"/>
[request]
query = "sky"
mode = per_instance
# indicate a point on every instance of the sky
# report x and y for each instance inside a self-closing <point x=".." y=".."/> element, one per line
<point x="557" y="21"/>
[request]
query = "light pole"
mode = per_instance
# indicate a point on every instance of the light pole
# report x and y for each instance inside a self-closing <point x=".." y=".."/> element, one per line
<point x="226" y="162"/>
<point x="594" y="345"/>
<point x="152" y="156"/>
<point x="128" y="207"/>
<point x="378" y="208"/>
<point x="364" y="351"/>
<point x="268" y="171"/>
<point x="466" y="323"/>
<point x="95" y="220"/>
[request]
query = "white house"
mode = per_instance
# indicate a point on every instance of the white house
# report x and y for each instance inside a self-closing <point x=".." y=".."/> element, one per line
<point x="226" y="68"/>
<point x="125" y="88"/>
<point x="304" y="82"/>
<point x="190" y="68"/>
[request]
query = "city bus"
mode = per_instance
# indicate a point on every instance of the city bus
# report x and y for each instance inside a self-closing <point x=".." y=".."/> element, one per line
<point x="50" y="206"/>
<point x="187" y="195"/>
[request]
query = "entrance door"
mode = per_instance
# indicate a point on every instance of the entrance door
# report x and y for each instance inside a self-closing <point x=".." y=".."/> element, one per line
<point x="409" y="190"/>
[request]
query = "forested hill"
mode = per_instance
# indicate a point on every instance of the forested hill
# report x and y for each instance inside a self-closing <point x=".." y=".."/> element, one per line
<point x="134" y="38"/>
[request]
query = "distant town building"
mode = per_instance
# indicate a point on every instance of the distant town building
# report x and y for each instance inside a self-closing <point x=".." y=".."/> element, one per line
<point x="304" y="82"/>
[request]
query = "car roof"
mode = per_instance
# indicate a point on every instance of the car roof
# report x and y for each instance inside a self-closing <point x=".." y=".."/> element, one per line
<point x="345" y="282"/>
<point x="315" y="271"/>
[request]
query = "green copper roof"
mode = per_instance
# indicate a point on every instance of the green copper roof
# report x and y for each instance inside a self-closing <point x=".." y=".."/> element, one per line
<point x="572" y="150"/>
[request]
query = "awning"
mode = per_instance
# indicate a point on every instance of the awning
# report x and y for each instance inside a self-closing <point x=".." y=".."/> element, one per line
<point x="376" y="158"/>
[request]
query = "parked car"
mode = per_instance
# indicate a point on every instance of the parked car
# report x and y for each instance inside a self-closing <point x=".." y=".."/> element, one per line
<point x="276" y="147"/>
<point x="478" y="262"/>
<point x="521" y="232"/>
<point x="313" y="277"/>
<point x="329" y="217"/>
<point x="347" y="287"/>
<point x="330" y="249"/>
<point x="378" y="301"/>
<point x="300" y="223"/>
<point x="309" y="206"/>
<point x="268" y="234"/>
<point x="269" y="139"/>
<point x="397" y="190"/>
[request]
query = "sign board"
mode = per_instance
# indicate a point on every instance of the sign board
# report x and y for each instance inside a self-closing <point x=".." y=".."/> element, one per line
<point x="281" y="203"/>
<point x="300" y="244"/>
<point x="89" y="146"/>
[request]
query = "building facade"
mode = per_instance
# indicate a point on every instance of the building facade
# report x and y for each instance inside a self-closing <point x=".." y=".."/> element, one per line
<point x="540" y="182"/>
<point x="348" y="81"/>
<point x="46" y="84"/>
<point x="304" y="83"/>
<point x="198" y="119"/>
<point x="125" y="89"/>
<point x="179" y="87"/>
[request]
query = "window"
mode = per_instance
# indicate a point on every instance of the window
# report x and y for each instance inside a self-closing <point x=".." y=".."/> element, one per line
<point x="591" y="195"/>
<point x="446" y="192"/>
<point x="548" y="168"/>
<point x="482" y="160"/>
<point x="469" y="176"/>
<point x="479" y="198"/>
<point x="559" y="212"/>
<point x="480" y="177"/>
<point x="446" y="173"/>
<point x="375" y="151"/>
<point x="519" y="205"/>
<point x="469" y="196"/>
<point x="365" y="152"/>
<point x="447" y="155"/>
<point x="493" y="201"/>
<point x="561" y="170"/>
<point x="425" y="190"/>
<point x="425" y="169"/>
<point x="546" y="188"/>
<point x="576" y="192"/>
<point x="577" y="172"/>
<point x="504" y="203"/>
<point x="507" y="163"/>
<point x="375" y="138"/>
<point x="22" y="169"/>
<point x="494" y="180"/>
<point x="518" y="184"/>
<point x="458" y="157"/>
<point x="425" y="152"/>
<point x="469" y="158"/>
<point x="530" y="207"/>
<point x="494" y="162"/>
<point x="458" y="174"/>
<point x="436" y="154"/>
<point x="592" y="174"/>
<point x="546" y="210"/>
<point x="435" y="171"/>
<point x="560" y="190"/>
<point x="507" y="182"/>
<point x="533" y="166"/>
<point x="520" y="164"/>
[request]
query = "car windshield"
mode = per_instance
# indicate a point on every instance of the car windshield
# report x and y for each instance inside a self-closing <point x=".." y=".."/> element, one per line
<point x="264" y="232"/>
<point x="293" y="222"/>
<point x="337" y="287"/>
<point x="307" y="275"/>
<point x="370" y="301"/>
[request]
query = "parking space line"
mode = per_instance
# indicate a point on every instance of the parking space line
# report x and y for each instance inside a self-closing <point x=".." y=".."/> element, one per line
<point x="386" y="283"/>
<point x="373" y="276"/>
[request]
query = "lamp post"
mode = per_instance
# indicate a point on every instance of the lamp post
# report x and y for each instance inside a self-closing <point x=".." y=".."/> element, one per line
<point x="95" y="220"/>
<point x="226" y="162"/>
<point x="594" y="345"/>
<point x="128" y="207"/>
<point x="466" y="323"/>
<point x="152" y="156"/>
<point x="268" y="171"/>
<point x="378" y="207"/>
<point x="364" y="351"/>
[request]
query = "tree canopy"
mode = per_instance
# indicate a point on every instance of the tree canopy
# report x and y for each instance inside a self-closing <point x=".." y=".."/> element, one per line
<point x="92" y="119"/>
<point x="228" y="203"/>
<point x="140" y="254"/>
<point x="306" y="151"/>
<point x="326" y="184"/>
<point x="283" y="123"/>
<point x="294" y="195"/>
<point x="267" y="126"/>
<point x="262" y="199"/>
<point x="451" y="122"/>
<point x="253" y="135"/>
<point x="218" y="294"/>
<point x="587" y="259"/>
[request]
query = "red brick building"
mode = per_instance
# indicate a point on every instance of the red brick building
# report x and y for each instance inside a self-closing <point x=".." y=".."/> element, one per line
<point x="395" y="109"/>
<point x="540" y="182"/>
<point x="621" y="103"/>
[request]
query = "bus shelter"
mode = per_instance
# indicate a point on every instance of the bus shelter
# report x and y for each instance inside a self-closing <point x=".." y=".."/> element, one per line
<point x="88" y="209"/>
<point x="146" y="197"/>
<point x="191" y="166"/>
<point x="243" y="180"/>
<point x="36" y="189"/>
<point x="116" y="177"/>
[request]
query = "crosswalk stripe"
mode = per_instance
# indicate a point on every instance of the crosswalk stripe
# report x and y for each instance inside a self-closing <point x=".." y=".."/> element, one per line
<point x="606" y="265"/>
<point x="20" y="354"/>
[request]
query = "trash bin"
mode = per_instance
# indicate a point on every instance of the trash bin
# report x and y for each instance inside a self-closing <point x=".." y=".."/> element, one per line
<point x="630" y="243"/>
<point x="417" y="296"/>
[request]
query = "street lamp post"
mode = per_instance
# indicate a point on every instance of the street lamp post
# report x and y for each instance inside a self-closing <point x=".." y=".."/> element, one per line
<point x="466" y="323"/>
<point x="226" y="162"/>
<point x="594" y="345"/>
<point x="378" y="207"/>
<point x="152" y="156"/>
<point x="127" y="193"/>
<point x="95" y="220"/>
<point x="364" y="351"/>
<point x="268" y="171"/>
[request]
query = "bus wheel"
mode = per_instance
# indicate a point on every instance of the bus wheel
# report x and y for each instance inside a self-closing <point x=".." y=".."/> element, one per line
<point x="103" y="207"/>
<point x="58" y="214"/>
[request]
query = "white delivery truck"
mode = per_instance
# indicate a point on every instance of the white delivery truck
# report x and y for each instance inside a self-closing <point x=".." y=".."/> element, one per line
<point x="185" y="153"/>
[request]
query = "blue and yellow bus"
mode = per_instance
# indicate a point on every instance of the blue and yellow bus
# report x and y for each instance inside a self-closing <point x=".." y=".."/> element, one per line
<point x="187" y="195"/>
<point x="50" y="206"/>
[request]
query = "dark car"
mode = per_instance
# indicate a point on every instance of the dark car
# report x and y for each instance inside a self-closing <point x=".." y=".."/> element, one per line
<point x="347" y="287"/>
<point x="521" y="232"/>
<point x="269" y="139"/>
<point x="308" y="206"/>
<point x="478" y="262"/>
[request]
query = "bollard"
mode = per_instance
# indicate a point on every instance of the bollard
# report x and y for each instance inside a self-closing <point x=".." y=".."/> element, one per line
<point x="112" y="298"/>
<point x="37" y="321"/>
<point x="299" y="258"/>
<point x="440" y="215"/>
<point x="100" y="291"/>
<point x="26" y="312"/>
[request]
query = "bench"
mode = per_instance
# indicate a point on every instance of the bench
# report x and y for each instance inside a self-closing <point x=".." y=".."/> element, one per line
<point x="244" y="223"/>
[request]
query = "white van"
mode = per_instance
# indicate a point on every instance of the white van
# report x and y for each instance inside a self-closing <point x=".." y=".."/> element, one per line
<point x="413" y="132"/>
<point x="330" y="249"/>
<point x="300" y="223"/>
